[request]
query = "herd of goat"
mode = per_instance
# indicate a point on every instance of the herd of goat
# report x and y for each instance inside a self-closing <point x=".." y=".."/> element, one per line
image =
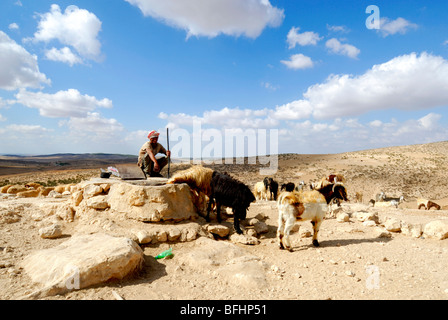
<point x="295" y="203"/>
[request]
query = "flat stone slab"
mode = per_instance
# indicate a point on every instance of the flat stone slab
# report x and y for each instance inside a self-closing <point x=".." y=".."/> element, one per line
<point x="81" y="262"/>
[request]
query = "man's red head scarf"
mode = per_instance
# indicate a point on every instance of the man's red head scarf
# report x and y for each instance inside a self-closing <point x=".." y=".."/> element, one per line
<point x="153" y="134"/>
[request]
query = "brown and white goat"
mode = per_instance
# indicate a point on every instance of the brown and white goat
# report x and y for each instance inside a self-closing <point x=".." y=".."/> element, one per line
<point x="299" y="206"/>
<point x="427" y="204"/>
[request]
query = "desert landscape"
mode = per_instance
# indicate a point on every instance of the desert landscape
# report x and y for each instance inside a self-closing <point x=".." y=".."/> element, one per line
<point x="365" y="252"/>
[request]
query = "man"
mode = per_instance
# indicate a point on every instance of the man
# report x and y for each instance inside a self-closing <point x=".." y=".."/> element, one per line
<point x="147" y="156"/>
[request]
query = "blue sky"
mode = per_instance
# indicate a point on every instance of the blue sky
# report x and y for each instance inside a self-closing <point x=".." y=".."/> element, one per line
<point x="97" y="76"/>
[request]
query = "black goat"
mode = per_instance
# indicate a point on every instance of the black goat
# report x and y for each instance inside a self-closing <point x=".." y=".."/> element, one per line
<point x="334" y="191"/>
<point x="231" y="193"/>
<point x="271" y="187"/>
<point x="288" y="187"/>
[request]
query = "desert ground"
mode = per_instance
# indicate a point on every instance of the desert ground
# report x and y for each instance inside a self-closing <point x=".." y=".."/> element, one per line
<point x="354" y="261"/>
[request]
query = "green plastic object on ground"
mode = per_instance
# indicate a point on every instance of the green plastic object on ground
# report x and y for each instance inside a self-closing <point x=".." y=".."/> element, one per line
<point x="165" y="254"/>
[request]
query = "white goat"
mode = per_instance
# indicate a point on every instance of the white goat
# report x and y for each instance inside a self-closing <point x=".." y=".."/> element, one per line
<point x="260" y="191"/>
<point x="299" y="206"/>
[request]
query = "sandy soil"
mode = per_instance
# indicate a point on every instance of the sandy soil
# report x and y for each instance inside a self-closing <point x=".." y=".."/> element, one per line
<point x="351" y="263"/>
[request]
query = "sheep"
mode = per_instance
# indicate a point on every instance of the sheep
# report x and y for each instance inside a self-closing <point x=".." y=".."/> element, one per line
<point x="260" y="191"/>
<point x="299" y="206"/>
<point x="272" y="187"/>
<point x="231" y="193"/>
<point x="288" y="187"/>
<point x="427" y="204"/>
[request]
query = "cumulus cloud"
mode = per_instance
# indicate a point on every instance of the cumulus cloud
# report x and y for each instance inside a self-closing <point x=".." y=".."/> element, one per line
<point x="77" y="28"/>
<point x="304" y="39"/>
<point x="94" y="123"/>
<point x="298" y="61"/>
<point x="64" y="55"/>
<point x="335" y="46"/>
<point x="63" y="104"/>
<point x="13" y="26"/>
<point x="213" y="17"/>
<point x="408" y="82"/>
<point x="19" y="68"/>
<point x="390" y="27"/>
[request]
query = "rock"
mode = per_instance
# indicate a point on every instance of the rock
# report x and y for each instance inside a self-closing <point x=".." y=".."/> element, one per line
<point x="77" y="197"/>
<point x="219" y="230"/>
<point x="366" y="215"/>
<point x="343" y="217"/>
<point x="392" y="225"/>
<point x="51" y="232"/>
<point x="65" y="212"/>
<point x="81" y="262"/>
<point x="382" y="233"/>
<point x="10" y="214"/>
<point x="436" y="229"/>
<point x="97" y="203"/>
<point x="244" y="239"/>
<point x="152" y="203"/>
<point x="369" y="223"/>
<point x="413" y="230"/>
<point x="28" y="194"/>
<point x="261" y="227"/>
<point x="92" y="190"/>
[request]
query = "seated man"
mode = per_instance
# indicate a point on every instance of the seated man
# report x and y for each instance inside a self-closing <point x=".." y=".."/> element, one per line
<point x="147" y="156"/>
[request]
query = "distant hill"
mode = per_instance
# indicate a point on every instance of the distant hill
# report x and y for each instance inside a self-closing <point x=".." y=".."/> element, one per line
<point x="15" y="164"/>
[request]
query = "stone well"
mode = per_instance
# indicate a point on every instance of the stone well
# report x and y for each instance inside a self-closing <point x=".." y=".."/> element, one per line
<point x="149" y="200"/>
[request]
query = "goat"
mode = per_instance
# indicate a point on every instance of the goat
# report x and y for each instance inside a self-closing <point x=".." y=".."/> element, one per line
<point x="231" y="193"/>
<point x="386" y="204"/>
<point x="380" y="197"/>
<point x="260" y="191"/>
<point x="388" y="199"/>
<point x="301" y="186"/>
<point x="272" y="187"/>
<point x="288" y="187"/>
<point x="332" y="191"/>
<point x="197" y="177"/>
<point x="427" y="204"/>
<point x="299" y="206"/>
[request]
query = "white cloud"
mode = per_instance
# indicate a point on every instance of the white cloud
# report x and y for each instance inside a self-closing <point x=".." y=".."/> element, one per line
<point x="296" y="110"/>
<point x="32" y="130"/>
<point x="62" y="104"/>
<point x="94" y="123"/>
<point x="342" y="29"/>
<point x="19" y="68"/>
<point x="213" y="17"/>
<point x="337" y="47"/>
<point x="64" y="55"/>
<point x="390" y="27"/>
<point x="76" y="27"/>
<point x="303" y="39"/>
<point x="298" y="61"/>
<point x="13" y="26"/>
<point x="408" y="82"/>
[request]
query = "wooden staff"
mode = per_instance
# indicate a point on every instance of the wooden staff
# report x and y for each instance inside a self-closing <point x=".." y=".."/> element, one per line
<point x="168" y="146"/>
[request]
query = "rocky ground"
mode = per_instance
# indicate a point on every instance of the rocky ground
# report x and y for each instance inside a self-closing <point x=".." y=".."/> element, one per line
<point x="356" y="259"/>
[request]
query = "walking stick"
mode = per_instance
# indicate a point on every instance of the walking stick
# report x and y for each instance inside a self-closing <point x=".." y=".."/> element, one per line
<point x="168" y="146"/>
